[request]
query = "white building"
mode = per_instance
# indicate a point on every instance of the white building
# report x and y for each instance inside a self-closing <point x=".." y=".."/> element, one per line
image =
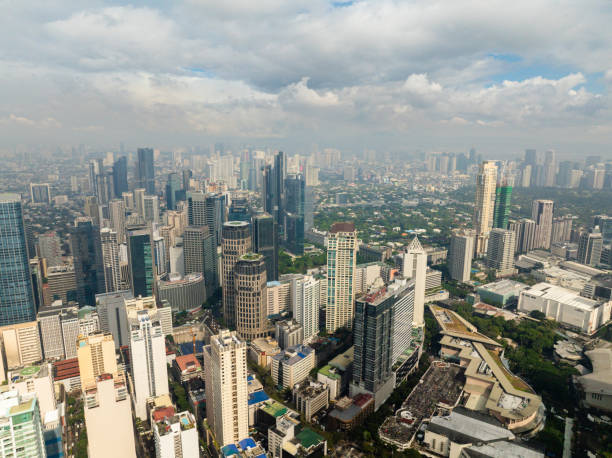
<point x="176" y="437"/>
<point x="486" y="181"/>
<point x="415" y="267"/>
<point x="305" y="301"/>
<point x="148" y="358"/>
<point x="110" y="259"/>
<point x="21" y="431"/>
<point x="500" y="251"/>
<point x="293" y="365"/>
<point x="461" y="254"/>
<point x="227" y="411"/>
<point x="566" y="307"/>
<point x="35" y="381"/>
<point x="279" y="296"/>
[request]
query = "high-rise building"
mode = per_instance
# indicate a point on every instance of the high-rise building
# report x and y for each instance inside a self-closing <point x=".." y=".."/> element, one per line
<point x="525" y="234"/>
<point x="174" y="190"/>
<point x="250" y="300"/>
<point x="295" y="192"/>
<point x="562" y="229"/>
<point x="120" y="180"/>
<point x="531" y="157"/>
<point x="605" y="225"/>
<point x="110" y="260"/>
<point x="139" y="195"/>
<point x="461" y="254"/>
<point x="87" y="258"/>
<point x="40" y="193"/>
<point x="21" y="344"/>
<point x="305" y="300"/>
<point x="50" y="248"/>
<point x="542" y="214"/>
<point x="96" y="354"/>
<point x="415" y="267"/>
<point x="500" y="252"/>
<point x="116" y="213"/>
<point x="21" y="429"/>
<point x="342" y="246"/>
<point x="265" y="242"/>
<point x="145" y="170"/>
<point x="550" y="169"/>
<point x="503" y="194"/>
<point x="175" y="435"/>
<point x="140" y="260"/>
<point x="484" y="205"/>
<point x="279" y="196"/>
<point x="148" y="357"/>
<point x="590" y="245"/>
<point x="16" y="292"/>
<point x="207" y="210"/>
<point x="236" y="241"/>
<point x="151" y="209"/>
<point x="239" y="210"/>
<point x="227" y="413"/>
<point x="200" y="255"/>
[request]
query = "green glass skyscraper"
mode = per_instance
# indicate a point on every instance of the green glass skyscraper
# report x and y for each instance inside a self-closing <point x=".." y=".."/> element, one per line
<point x="503" y="195"/>
<point x="140" y="261"/>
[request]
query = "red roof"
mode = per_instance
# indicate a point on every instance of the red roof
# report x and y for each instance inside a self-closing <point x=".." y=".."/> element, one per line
<point x="65" y="369"/>
<point x="163" y="412"/>
<point x="188" y="363"/>
<point x="362" y="399"/>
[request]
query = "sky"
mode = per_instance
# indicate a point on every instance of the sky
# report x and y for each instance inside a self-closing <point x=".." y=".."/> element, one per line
<point x="405" y="75"/>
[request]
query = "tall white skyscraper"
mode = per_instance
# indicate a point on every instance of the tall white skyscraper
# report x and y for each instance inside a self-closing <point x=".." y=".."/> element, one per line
<point x="227" y="411"/>
<point x="151" y="209"/>
<point x="486" y="181"/>
<point x="342" y="246"/>
<point x="461" y="254"/>
<point x="116" y="210"/>
<point x="306" y="295"/>
<point x="148" y="357"/>
<point x="110" y="259"/>
<point x="542" y="214"/>
<point x="415" y="267"/>
<point x="500" y="252"/>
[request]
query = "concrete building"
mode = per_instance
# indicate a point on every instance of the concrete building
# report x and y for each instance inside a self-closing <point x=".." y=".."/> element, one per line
<point x="501" y="293"/>
<point x="461" y="254"/>
<point x="310" y="397"/>
<point x="96" y="356"/>
<point x="305" y="301"/>
<point x="176" y="436"/>
<point x="542" y="214"/>
<point x="200" y="255"/>
<point x="183" y="293"/>
<point x="597" y="385"/>
<point x="415" y="267"/>
<point x="148" y="357"/>
<point x="50" y="248"/>
<point x="61" y="285"/>
<point x="225" y="361"/>
<point x="21" y="429"/>
<point x="486" y="181"/>
<point x="35" y="381"/>
<point x="262" y="350"/>
<point x="566" y="306"/>
<point x="500" y="251"/>
<point x="250" y="299"/>
<point x="279" y="296"/>
<point x="21" y="344"/>
<point x="590" y="246"/>
<point x="108" y="414"/>
<point x="342" y="246"/>
<point x="110" y="259"/>
<point x="293" y="365"/>
<point x="187" y="367"/>
<point x="289" y="333"/>
<point x="235" y="241"/>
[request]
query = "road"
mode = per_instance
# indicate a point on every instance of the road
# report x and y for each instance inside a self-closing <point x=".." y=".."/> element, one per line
<point x="567" y="439"/>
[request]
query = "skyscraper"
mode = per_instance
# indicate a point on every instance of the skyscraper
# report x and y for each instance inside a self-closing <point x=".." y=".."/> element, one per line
<point x="295" y="191"/>
<point x="306" y="295"/>
<point x="415" y="267"/>
<point x="236" y="241"/>
<point x="590" y="246"/>
<point x="140" y="260"/>
<point x="173" y="190"/>
<point x="96" y="354"/>
<point x="87" y="257"/>
<point x="251" y="299"/>
<point x="16" y="294"/>
<point x="148" y="357"/>
<point x="145" y="170"/>
<point x="50" y="248"/>
<point x="265" y="242"/>
<point x="200" y="255"/>
<point x="484" y="205"/>
<point x="503" y="194"/>
<point x="207" y="210"/>
<point x="461" y="254"/>
<point x="110" y="260"/>
<point x="225" y="360"/>
<point x="542" y="214"/>
<point x="550" y="169"/>
<point x="21" y="429"/>
<point x="116" y="213"/>
<point x="120" y="181"/>
<point x="342" y="246"/>
<point x="500" y="252"/>
<point x="151" y="209"/>
<point x="239" y="210"/>
<point x="280" y="172"/>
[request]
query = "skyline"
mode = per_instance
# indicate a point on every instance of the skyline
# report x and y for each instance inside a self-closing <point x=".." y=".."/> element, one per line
<point x="382" y="75"/>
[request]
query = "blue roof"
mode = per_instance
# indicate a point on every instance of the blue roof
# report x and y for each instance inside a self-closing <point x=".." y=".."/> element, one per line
<point x="230" y="450"/>
<point x="187" y="347"/>
<point x="257" y="397"/>
<point x="301" y="355"/>
<point x="273" y="283"/>
<point x="250" y="377"/>
<point x="247" y="443"/>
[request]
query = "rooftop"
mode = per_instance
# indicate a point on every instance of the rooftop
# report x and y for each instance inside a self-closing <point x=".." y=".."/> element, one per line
<point x="308" y="438"/>
<point x="600" y="380"/>
<point x="342" y="227"/>
<point x="329" y="372"/>
<point x="465" y="427"/>
<point x="274" y="408"/>
<point x="504" y="287"/>
<point x="563" y="295"/>
<point x="188" y="363"/>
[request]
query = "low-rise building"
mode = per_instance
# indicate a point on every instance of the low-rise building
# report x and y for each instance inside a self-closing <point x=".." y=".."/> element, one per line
<point x="66" y="372"/>
<point x="289" y="333"/>
<point x="597" y="385"/>
<point x="349" y="413"/>
<point x="310" y="397"/>
<point x="332" y="378"/>
<point x="187" y="367"/>
<point x="566" y="306"/>
<point x="262" y="350"/>
<point x="293" y="365"/>
<point x="501" y="293"/>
